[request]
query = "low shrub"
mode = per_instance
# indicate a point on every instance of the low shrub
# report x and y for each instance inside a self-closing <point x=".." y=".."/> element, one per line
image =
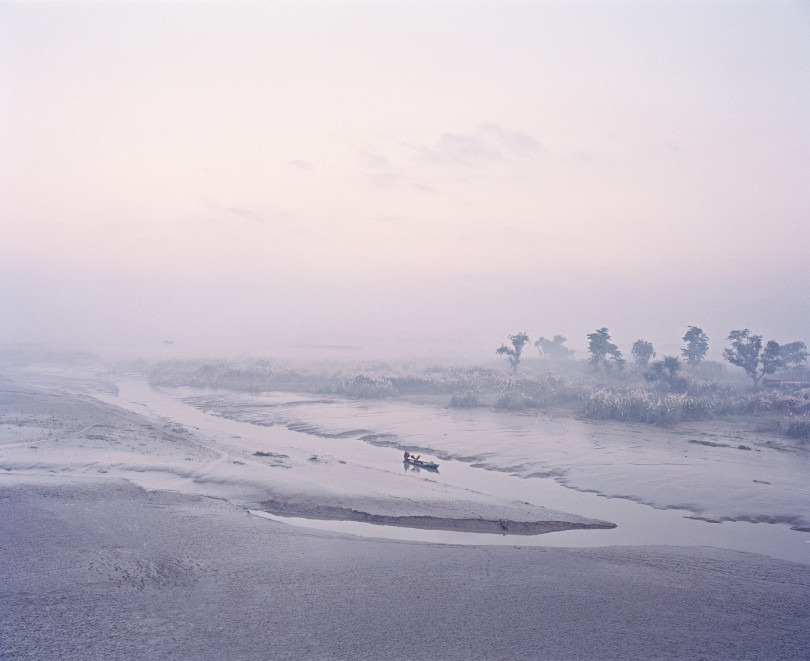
<point x="369" y="387"/>
<point x="512" y="400"/>
<point x="467" y="400"/>
<point x="798" y="429"/>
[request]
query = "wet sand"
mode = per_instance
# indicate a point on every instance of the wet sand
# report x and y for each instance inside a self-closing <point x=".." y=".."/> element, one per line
<point x="93" y="566"/>
<point x="112" y="571"/>
<point x="71" y="434"/>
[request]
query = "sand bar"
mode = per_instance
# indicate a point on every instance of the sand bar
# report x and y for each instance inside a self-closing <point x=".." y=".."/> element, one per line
<point x="95" y="566"/>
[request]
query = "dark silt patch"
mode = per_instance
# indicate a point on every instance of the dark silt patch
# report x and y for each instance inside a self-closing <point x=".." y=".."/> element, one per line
<point x="710" y="444"/>
<point x="479" y="525"/>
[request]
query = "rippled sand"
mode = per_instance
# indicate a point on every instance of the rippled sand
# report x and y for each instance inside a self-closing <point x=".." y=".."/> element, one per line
<point x="112" y="571"/>
<point x="125" y="535"/>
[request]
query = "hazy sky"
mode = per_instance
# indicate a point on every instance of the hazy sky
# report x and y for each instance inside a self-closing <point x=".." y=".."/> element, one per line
<point x="353" y="172"/>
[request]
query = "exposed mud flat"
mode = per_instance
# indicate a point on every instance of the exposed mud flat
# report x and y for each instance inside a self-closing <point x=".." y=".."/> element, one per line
<point x="125" y="533"/>
<point x="334" y="459"/>
<point x="54" y="432"/>
<point x="479" y="524"/>
<point x="717" y="470"/>
<point x="96" y="570"/>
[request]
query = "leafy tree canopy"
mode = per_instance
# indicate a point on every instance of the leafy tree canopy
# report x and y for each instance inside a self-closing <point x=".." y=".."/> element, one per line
<point x="697" y="344"/>
<point x="513" y="353"/>
<point x="794" y="353"/>
<point x="603" y="351"/>
<point x="746" y="351"/>
<point x="667" y="371"/>
<point x="643" y="352"/>
<point x="553" y="348"/>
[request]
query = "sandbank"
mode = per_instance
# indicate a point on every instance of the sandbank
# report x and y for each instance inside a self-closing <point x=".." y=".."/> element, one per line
<point x="112" y="571"/>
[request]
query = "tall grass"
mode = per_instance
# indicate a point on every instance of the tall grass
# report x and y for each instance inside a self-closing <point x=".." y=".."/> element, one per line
<point x="370" y="387"/>
<point x="640" y="405"/>
<point x="663" y="408"/>
<point x="628" y="396"/>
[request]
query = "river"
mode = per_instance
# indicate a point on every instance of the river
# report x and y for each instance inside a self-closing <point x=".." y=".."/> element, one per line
<point x="668" y="495"/>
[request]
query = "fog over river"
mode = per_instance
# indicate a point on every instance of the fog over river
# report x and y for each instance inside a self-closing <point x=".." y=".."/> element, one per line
<point x="683" y="487"/>
<point x="334" y="197"/>
<point x="142" y="522"/>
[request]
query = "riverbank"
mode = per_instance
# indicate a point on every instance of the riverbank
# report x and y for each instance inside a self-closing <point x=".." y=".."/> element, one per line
<point x="313" y="456"/>
<point x="112" y="571"/>
<point x="125" y="533"/>
<point x="50" y="431"/>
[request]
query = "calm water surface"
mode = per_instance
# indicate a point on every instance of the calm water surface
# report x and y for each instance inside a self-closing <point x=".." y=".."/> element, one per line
<point x="332" y="429"/>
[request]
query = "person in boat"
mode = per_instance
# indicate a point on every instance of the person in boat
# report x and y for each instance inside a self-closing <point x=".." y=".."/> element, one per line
<point x="407" y="455"/>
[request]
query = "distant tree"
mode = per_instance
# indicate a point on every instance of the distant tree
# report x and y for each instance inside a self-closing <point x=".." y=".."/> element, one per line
<point x="643" y="352"/>
<point x="746" y="351"/>
<point x="513" y="352"/>
<point x="793" y="353"/>
<point x="697" y="344"/>
<point x="553" y="348"/>
<point x="771" y="358"/>
<point x="603" y="351"/>
<point x="668" y="372"/>
<point x="672" y="364"/>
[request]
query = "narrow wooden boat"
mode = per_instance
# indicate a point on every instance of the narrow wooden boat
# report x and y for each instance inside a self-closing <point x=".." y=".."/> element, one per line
<point x="430" y="465"/>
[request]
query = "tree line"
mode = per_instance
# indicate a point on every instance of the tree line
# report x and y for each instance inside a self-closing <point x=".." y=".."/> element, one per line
<point x="746" y="350"/>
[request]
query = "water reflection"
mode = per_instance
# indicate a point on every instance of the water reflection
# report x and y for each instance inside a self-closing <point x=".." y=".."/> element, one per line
<point x="637" y="523"/>
<point x="414" y="468"/>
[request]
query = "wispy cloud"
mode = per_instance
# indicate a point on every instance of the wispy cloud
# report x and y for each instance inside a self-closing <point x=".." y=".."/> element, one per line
<point x="460" y="149"/>
<point x="516" y="142"/>
<point x="300" y="164"/>
<point x="378" y="169"/>
<point x="247" y="214"/>
<point x="458" y="153"/>
<point x="491" y="143"/>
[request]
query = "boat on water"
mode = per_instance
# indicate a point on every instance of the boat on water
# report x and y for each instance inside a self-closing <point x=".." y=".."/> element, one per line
<point x="414" y="461"/>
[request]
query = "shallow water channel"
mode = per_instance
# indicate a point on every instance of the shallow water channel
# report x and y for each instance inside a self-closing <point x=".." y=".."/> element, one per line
<point x="322" y="439"/>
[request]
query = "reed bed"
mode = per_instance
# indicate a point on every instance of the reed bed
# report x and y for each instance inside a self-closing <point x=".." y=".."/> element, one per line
<point x="640" y="405"/>
<point x="664" y="408"/>
<point x="624" y="397"/>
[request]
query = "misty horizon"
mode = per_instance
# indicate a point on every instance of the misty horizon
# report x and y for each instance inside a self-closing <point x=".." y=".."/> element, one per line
<point x="408" y="181"/>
